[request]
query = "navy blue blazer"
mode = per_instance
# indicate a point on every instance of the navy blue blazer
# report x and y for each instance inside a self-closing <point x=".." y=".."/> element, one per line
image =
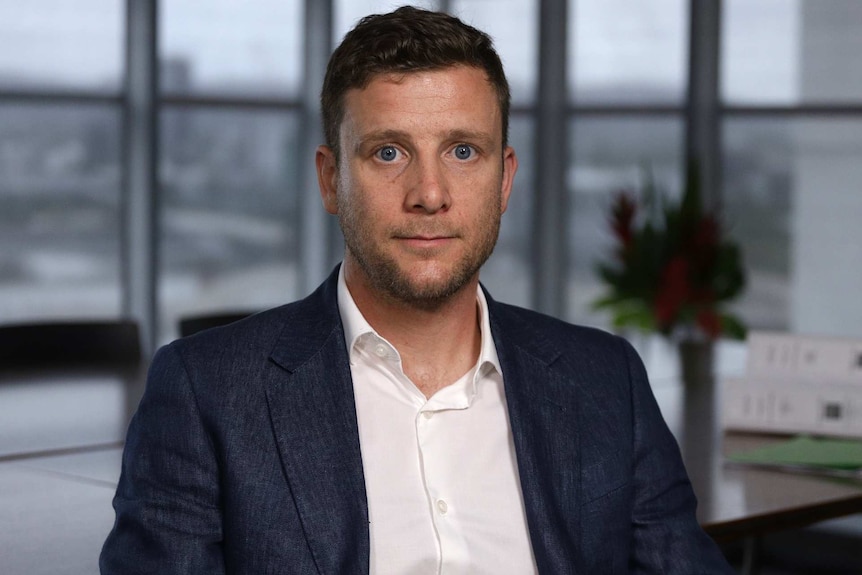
<point x="243" y="456"/>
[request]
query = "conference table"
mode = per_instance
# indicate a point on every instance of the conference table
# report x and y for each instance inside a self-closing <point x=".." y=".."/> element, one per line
<point x="61" y="443"/>
<point x="61" y="437"/>
<point x="735" y="501"/>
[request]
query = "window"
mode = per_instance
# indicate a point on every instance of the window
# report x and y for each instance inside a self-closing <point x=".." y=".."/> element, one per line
<point x="229" y="187"/>
<point x="627" y="83"/>
<point x="632" y="53"/>
<point x="60" y="159"/>
<point x="235" y="111"/>
<point x="791" y="147"/>
<point x="58" y="45"/>
<point x="608" y="154"/>
<point x="229" y="151"/>
<point x="243" y="49"/>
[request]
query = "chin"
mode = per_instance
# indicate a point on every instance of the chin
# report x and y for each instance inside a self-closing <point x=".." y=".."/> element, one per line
<point x="432" y="285"/>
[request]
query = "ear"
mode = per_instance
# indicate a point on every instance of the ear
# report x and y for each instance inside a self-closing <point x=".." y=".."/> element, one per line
<point x="510" y="166"/>
<point x="327" y="175"/>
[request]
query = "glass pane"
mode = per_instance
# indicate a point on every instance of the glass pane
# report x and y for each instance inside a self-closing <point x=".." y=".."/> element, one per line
<point x="608" y="155"/>
<point x="791" y="195"/>
<point x="61" y="45"/>
<point x="59" y="212"/>
<point x="787" y="52"/>
<point x="250" y="48"/>
<point x="623" y="52"/>
<point x="760" y="50"/>
<point x="228" y="214"/>
<point x="509" y="272"/>
<point x="757" y="196"/>
<point x="513" y="25"/>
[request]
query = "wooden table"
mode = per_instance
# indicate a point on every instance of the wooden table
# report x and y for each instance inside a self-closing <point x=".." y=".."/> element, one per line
<point x="741" y="502"/>
<point x="736" y="502"/>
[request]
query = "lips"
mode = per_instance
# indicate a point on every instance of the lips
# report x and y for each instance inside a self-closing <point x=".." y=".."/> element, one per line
<point x="423" y="235"/>
<point x="426" y="238"/>
<point x="426" y="241"/>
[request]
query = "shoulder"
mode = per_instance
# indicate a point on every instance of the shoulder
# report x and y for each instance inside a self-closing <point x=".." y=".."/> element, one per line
<point x="253" y="334"/>
<point x="285" y="332"/>
<point x="589" y="359"/>
<point x="542" y="333"/>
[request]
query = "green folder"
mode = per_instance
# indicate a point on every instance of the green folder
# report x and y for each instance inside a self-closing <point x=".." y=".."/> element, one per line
<point x="837" y="457"/>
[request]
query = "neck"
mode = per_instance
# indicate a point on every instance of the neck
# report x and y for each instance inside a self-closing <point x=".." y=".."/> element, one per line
<point x="438" y="343"/>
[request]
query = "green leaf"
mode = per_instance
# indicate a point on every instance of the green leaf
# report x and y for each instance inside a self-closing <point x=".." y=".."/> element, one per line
<point x="671" y="229"/>
<point x="606" y="302"/>
<point x="637" y="317"/>
<point x="732" y="327"/>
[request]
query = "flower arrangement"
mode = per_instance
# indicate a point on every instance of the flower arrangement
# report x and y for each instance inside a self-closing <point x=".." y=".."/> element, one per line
<point x="672" y="271"/>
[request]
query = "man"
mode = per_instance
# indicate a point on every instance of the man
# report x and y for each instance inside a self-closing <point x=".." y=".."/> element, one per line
<point x="398" y="420"/>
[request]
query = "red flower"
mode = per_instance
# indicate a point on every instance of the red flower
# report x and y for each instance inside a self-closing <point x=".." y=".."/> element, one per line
<point x="706" y="234"/>
<point x="674" y="291"/>
<point x="709" y="322"/>
<point x="671" y="270"/>
<point x="622" y="217"/>
<point x="703" y="243"/>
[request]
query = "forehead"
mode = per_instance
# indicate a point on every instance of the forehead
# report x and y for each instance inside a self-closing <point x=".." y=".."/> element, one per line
<point x="447" y="96"/>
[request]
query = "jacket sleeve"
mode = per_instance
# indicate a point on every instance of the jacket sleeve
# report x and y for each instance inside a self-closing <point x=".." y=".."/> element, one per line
<point x="167" y="502"/>
<point x="667" y="538"/>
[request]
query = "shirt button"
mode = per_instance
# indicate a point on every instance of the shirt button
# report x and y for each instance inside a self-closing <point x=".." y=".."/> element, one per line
<point x="442" y="507"/>
<point x="381" y="350"/>
<point x="427" y="414"/>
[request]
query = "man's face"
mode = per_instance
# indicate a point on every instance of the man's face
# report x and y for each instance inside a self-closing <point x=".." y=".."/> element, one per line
<point x="421" y="182"/>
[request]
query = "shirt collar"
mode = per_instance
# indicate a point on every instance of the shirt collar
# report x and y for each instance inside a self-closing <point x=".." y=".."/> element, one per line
<point x="355" y="324"/>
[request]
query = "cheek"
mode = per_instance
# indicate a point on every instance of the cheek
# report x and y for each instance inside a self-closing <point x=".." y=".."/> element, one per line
<point x="358" y="210"/>
<point x="486" y="198"/>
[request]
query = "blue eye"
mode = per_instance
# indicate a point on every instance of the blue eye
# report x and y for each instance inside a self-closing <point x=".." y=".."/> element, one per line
<point x="387" y="153"/>
<point x="463" y="151"/>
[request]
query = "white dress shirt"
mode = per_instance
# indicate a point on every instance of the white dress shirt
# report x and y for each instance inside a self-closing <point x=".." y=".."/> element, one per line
<point x="441" y="476"/>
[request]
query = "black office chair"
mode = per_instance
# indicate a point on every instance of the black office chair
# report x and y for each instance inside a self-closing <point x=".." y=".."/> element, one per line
<point x="70" y="343"/>
<point x="195" y="323"/>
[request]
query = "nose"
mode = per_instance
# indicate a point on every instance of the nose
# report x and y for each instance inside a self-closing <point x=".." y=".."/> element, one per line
<point x="428" y="190"/>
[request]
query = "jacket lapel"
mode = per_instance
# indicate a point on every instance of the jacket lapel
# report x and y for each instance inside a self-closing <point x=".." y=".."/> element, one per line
<point x="543" y="412"/>
<point x="314" y="420"/>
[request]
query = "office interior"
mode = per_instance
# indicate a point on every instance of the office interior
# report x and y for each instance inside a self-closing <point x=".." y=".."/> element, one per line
<point x="157" y="164"/>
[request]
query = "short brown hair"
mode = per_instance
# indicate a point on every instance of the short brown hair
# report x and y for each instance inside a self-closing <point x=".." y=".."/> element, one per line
<point x="406" y="40"/>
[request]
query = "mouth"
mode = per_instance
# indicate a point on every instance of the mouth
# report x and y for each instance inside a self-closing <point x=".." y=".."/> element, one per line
<point x="424" y="242"/>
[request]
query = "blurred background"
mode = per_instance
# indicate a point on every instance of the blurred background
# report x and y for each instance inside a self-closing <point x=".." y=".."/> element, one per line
<point x="156" y="163"/>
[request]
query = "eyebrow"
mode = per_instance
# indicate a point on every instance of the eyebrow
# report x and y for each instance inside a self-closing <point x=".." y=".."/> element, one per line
<point x="382" y="136"/>
<point x="484" y="138"/>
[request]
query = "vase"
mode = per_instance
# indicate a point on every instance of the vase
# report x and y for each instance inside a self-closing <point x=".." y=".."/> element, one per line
<point x="701" y="400"/>
<point x="696" y="362"/>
